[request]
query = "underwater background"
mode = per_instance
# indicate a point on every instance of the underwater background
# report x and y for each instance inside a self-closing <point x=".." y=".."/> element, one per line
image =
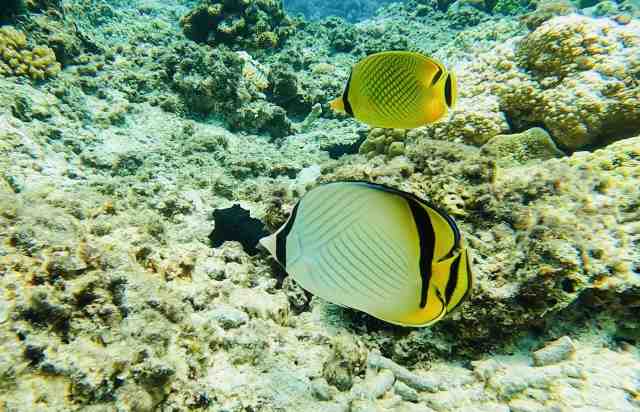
<point x="125" y="126"/>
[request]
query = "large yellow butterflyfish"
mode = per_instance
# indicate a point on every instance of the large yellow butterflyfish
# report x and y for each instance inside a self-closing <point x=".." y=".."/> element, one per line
<point x="375" y="249"/>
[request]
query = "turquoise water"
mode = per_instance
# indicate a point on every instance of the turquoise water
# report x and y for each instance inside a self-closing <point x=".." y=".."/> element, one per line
<point x="146" y="145"/>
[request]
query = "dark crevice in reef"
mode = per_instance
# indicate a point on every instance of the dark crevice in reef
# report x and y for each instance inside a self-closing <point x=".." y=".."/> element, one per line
<point x="615" y="132"/>
<point x="10" y="10"/>
<point x="338" y="150"/>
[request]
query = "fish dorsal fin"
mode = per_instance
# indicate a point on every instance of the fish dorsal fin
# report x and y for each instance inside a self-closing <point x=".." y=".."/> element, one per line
<point x="447" y="234"/>
<point x="453" y="276"/>
<point x="431" y="71"/>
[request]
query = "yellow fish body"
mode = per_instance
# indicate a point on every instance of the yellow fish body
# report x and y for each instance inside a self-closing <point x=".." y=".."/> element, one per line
<point x="375" y="249"/>
<point x="398" y="89"/>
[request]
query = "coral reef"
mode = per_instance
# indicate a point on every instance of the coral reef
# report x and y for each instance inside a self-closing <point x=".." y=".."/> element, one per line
<point x="10" y="10"/>
<point x="225" y="83"/>
<point x="207" y="79"/>
<point x="261" y="117"/>
<point x="253" y="24"/>
<point x="17" y="59"/>
<point x="464" y="13"/>
<point x="556" y="262"/>
<point x="597" y="58"/>
<point x="474" y="122"/>
<point x="546" y="10"/>
<point x="573" y="75"/>
<point x="511" y="7"/>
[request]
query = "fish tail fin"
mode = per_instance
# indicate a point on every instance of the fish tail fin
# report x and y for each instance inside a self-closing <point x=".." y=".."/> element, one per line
<point x="337" y="104"/>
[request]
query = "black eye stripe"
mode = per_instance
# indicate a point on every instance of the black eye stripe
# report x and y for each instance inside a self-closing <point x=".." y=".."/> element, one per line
<point x="436" y="77"/>
<point x="447" y="91"/>
<point x="345" y="97"/>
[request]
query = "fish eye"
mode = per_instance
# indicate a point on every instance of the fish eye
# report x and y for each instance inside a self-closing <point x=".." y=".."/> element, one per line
<point x="448" y="96"/>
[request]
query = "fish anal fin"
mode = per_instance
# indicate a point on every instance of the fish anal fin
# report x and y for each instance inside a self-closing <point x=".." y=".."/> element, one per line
<point x="430" y="314"/>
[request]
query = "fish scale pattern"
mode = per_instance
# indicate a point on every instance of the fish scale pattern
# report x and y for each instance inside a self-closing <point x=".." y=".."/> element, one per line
<point x="395" y="78"/>
<point x="391" y="87"/>
<point x="340" y="259"/>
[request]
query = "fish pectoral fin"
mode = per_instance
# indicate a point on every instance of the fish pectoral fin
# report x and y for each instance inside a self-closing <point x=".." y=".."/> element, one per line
<point x="443" y="309"/>
<point x="337" y="104"/>
<point x="269" y="243"/>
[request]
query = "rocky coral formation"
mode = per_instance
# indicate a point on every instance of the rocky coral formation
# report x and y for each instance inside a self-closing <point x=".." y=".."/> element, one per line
<point x="573" y="75"/>
<point x="17" y="59"/>
<point x="225" y="83"/>
<point x="473" y="121"/>
<point x="555" y="255"/>
<point x="10" y="10"/>
<point x="207" y="79"/>
<point x="261" y="117"/>
<point x="521" y="148"/>
<point x="585" y="88"/>
<point x="548" y="9"/>
<point x="465" y="13"/>
<point x="350" y="10"/>
<point x="388" y="142"/>
<point x="253" y="24"/>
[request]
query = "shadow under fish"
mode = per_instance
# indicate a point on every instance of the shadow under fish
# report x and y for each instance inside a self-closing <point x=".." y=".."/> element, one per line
<point x="235" y="223"/>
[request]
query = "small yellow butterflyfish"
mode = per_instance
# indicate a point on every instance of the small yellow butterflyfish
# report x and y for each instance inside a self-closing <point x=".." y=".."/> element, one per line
<point x="375" y="249"/>
<point x="398" y="89"/>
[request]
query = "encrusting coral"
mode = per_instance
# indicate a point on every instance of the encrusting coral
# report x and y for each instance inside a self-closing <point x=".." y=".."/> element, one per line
<point x="587" y="71"/>
<point x="546" y="10"/>
<point x="576" y="76"/>
<point x="521" y="148"/>
<point x="519" y="234"/>
<point x="17" y="59"/>
<point x="253" y="24"/>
